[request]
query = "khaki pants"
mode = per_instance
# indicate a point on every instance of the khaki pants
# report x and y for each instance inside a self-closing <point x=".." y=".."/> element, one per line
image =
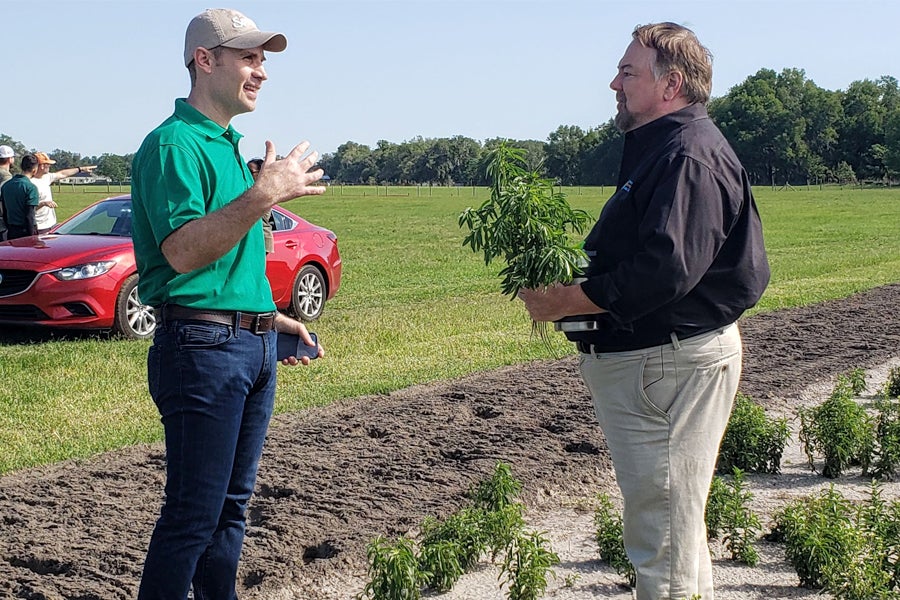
<point x="664" y="411"/>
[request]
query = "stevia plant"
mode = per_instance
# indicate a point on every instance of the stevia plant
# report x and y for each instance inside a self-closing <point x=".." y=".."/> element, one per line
<point x="497" y="492"/>
<point x="463" y="530"/>
<point x="891" y="387"/>
<point x="818" y="534"/>
<point x="857" y="379"/>
<point x="850" y="551"/>
<point x="440" y="565"/>
<point x="886" y="459"/>
<point x="715" y="507"/>
<point x="610" y="544"/>
<point x="735" y="519"/>
<point x="753" y="442"/>
<point x="502" y="513"/>
<point x="525" y="223"/>
<point x="394" y="572"/>
<point x="840" y="430"/>
<point x="529" y="560"/>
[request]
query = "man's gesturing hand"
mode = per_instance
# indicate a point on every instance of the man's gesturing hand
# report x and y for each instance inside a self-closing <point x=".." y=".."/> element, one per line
<point x="290" y="177"/>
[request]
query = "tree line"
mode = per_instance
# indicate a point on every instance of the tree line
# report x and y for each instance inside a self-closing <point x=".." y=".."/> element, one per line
<point x="784" y="128"/>
<point x="115" y="166"/>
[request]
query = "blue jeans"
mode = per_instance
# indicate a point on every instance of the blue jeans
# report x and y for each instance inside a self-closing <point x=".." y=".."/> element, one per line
<point x="214" y="386"/>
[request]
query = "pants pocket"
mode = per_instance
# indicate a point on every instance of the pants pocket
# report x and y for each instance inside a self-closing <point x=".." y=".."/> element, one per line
<point x="203" y="335"/>
<point x="658" y="384"/>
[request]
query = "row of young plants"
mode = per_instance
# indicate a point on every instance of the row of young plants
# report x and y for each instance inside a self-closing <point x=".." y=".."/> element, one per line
<point x="851" y="550"/>
<point x="840" y="430"/>
<point x="848" y="435"/>
<point x="491" y="525"/>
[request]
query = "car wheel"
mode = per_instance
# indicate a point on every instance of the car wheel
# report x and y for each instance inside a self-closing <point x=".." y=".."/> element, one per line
<point x="133" y="319"/>
<point x="308" y="299"/>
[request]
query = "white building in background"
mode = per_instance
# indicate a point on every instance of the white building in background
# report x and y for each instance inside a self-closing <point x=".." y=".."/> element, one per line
<point x="76" y="180"/>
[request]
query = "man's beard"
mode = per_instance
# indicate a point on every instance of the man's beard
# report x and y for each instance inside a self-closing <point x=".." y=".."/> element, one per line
<point x="624" y="120"/>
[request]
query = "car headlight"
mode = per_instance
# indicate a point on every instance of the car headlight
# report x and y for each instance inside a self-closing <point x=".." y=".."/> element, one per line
<point x="85" y="271"/>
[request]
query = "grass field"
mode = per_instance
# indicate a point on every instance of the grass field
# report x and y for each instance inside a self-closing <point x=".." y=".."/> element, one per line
<point x="415" y="306"/>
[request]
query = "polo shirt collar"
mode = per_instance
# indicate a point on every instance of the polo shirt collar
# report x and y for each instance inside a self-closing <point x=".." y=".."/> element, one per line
<point x="203" y="124"/>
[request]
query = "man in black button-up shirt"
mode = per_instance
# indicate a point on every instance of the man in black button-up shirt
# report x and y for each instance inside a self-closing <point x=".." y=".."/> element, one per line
<point x="676" y="257"/>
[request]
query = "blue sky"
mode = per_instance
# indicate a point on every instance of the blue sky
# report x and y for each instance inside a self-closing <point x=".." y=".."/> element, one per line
<point x="95" y="77"/>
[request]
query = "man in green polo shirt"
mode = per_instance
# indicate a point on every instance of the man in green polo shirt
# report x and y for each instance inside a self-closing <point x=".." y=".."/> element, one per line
<point x="198" y="241"/>
<point x="19" y="198"/>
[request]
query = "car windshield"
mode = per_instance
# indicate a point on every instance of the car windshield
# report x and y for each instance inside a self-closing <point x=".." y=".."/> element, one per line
<point x="112" y="217"/>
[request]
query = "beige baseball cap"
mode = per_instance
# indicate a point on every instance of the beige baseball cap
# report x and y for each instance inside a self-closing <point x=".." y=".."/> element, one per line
<point x="227" y="27"/>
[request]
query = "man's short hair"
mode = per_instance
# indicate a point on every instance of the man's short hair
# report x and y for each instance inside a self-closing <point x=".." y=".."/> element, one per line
<point x="679" y="50"/>
<point x="29" y="162"/>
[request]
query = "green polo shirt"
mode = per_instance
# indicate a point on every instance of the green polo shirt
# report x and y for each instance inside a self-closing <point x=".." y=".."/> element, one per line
<point x="18" y="194"/>
<point x="186" y="168"/>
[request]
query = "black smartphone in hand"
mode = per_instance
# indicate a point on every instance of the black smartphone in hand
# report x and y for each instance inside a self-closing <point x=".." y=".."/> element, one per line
<point x="291" y="344"/>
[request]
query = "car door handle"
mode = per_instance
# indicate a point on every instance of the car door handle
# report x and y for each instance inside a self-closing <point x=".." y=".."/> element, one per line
<point x="291" y="244"/>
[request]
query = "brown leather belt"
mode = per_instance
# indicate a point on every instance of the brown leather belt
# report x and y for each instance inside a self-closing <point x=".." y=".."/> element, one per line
<point x="254" y="322"/>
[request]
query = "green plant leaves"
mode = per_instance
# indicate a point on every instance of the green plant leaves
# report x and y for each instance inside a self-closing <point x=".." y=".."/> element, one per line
<point x="839" y="429"/>
<point x="753" y="442"/>
<point x="526" y="224"/>
<point x="727" y="510"/>
<point x="449" y="548"/>
<point x="610" y="544"/>
<point x="849" y="550"/>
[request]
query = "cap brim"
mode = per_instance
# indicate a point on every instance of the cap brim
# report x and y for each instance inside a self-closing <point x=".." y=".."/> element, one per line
<point x="271" y="42"/>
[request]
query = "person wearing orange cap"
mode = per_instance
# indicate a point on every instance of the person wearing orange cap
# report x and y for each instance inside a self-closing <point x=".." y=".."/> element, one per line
<point x="43" y="178"/>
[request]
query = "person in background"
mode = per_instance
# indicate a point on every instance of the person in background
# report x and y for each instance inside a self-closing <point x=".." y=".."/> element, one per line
<point x="43" y="178"/>
<point x="199" y="247"/>
<point x="255" y="166"/>
<point x="19" y="198"/>
<point x="7" y="156"/>
<point x="675" y="258"/>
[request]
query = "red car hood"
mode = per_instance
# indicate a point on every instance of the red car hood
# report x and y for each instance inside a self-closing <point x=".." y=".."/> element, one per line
<point x="51" y="251"/>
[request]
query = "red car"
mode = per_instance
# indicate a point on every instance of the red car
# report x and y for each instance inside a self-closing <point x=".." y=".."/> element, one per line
<point x="82" y="274"/>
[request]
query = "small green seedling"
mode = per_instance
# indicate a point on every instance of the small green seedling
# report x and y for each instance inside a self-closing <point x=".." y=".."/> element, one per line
<point x="529" y="560"/>
<point x="394" y="572"/>
<point x="610" y="544"/>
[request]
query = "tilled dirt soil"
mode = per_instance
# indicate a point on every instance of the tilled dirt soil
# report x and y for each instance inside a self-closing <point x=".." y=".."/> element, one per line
<point x="334" y="478"/>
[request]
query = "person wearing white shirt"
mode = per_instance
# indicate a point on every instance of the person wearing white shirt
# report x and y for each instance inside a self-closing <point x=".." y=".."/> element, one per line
<point x="45" y="215"/>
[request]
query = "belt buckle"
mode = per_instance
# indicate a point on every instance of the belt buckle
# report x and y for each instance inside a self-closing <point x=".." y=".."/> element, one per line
<point x="254" y="325"/>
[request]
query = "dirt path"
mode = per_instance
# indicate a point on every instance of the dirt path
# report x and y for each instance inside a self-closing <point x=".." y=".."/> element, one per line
<point x="334" y="478"/>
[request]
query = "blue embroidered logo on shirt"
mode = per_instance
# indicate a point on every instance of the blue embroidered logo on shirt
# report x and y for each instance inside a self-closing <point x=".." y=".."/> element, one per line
<point x="627" y="186"/>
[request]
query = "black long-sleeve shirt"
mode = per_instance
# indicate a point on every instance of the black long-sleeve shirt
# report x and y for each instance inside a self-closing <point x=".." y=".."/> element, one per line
<point x="679" y="247"/>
